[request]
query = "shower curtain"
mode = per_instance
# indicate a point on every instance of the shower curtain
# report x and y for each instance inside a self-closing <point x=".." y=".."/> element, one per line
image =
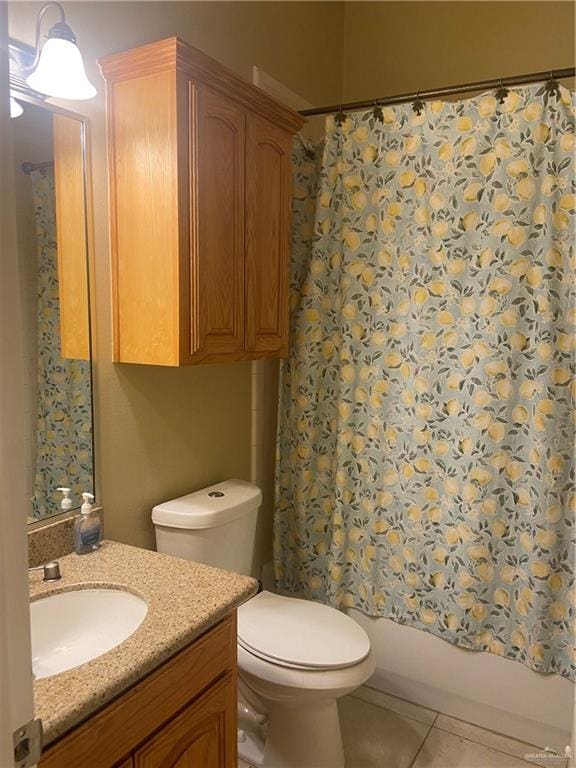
<point x="64" y="423"/>
<point x="426" y="425"/>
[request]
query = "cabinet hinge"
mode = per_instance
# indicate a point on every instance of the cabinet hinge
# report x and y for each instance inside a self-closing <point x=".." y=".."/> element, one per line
<point x="27" y="742"/>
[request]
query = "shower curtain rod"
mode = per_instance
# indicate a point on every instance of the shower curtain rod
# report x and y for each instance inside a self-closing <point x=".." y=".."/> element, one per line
<point x="451" y="90"/>
<point x="27" y="168"/>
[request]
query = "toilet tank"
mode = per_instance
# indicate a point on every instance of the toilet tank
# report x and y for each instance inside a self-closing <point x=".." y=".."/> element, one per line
<point x="215" y="526"/>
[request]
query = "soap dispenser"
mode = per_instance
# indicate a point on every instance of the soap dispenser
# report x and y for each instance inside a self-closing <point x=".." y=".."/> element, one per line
<point x="87" y="528"/>
<point x="66" y="502"/>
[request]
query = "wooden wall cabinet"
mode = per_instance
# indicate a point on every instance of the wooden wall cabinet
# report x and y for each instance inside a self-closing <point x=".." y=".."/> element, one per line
<point x="200" y="198"/>
<point x="183" y="714"/>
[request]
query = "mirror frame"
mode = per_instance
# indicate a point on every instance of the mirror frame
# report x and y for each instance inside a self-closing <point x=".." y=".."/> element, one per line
<point x="91" y="276"/>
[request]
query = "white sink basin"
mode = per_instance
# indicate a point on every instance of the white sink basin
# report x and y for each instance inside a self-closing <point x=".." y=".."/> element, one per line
<point x="71" y="628"/>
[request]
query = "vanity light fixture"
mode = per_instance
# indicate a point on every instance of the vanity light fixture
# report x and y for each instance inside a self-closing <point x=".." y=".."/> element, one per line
<point x="15" y="107"/>
<point x="58" y="69"/>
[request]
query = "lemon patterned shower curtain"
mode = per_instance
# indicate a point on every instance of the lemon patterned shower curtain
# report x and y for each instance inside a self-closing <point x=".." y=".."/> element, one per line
<point x="64" y="417"/>
<point x="426" y="425"/>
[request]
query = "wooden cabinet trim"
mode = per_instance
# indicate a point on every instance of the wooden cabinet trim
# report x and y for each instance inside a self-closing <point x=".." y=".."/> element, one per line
<point x="175" y="53"/>
<point x="112" y="734"/>
<point x="191" y="140"/>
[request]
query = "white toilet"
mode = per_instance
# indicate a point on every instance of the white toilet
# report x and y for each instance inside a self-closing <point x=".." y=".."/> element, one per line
<point x="296" y="658"/>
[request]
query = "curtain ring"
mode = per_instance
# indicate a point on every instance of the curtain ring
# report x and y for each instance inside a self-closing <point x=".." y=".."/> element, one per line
<point x="340" y="117"/>
<point x="552" y="87"/>
<point x="502" y="92"/>
<point x="417" y="104"/>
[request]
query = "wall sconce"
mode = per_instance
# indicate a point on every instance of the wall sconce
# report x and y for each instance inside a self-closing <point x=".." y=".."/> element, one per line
<point x="58" y="69"/>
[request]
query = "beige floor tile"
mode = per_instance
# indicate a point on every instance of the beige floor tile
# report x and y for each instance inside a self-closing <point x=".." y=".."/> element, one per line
<point x="400" y="706"/>
<point x="446" y="750"/>
<point x="495" y="740"/>
<point x="378" y="738"/>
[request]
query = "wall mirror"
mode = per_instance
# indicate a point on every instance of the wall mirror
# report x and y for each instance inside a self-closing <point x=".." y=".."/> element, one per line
<point x="52" y="196"/>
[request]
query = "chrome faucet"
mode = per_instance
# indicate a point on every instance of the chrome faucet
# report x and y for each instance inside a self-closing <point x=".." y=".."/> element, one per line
<point x="51" y="570"/>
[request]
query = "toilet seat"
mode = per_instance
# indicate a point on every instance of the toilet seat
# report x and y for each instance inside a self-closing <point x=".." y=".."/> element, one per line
<point x="300" y="634"/>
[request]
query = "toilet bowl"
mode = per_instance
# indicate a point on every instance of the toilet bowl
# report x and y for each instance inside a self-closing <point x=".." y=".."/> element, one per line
<point x="299" y="658"/>
<point x="296" y="658"/>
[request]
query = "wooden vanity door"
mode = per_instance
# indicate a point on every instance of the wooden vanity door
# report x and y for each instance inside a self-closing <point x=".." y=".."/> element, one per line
<point x="217" y="170"/>
<point x="268" y="196"/>
<point x="203" y="736"/>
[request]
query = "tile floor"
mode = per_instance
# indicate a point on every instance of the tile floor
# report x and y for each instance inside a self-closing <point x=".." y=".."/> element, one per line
<point x="381" y="731"/>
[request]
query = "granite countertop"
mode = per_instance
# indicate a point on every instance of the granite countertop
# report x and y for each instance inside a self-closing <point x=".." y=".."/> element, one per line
<point x="184" y="600"/>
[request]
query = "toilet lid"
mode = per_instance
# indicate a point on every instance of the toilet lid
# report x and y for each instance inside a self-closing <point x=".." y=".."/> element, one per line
<point x="299" y="633"/>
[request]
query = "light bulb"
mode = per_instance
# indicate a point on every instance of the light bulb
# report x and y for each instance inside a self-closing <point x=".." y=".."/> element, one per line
<point x="15" y="108"/>
<point x="60" y="72"/>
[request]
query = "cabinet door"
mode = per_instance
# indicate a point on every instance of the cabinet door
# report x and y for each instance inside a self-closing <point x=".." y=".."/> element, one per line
<point x="71" y="237"/>
<point x="268" y="186"/>
<point x="203" y="736"/>
<point x="217" y="151"/>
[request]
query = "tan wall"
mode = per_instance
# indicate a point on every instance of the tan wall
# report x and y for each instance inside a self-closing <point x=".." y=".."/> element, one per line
<point x="399" y="47"/>
<point x="165" y="432"/>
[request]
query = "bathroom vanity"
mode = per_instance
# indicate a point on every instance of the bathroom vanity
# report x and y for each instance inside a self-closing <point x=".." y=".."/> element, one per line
<point x="165" y="695"/>
<point x="184" y="710"/>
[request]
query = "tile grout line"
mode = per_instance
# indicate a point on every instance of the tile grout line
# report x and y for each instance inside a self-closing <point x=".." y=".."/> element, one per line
<point x="395" y="712"/>
<point x="421" y="747"/>
<point x="497" y="749"/>
<point x="444" y="730"/>
<point x="399" y="698"/>
<point x="489" y="746"/>
<point x="487" y="730"/>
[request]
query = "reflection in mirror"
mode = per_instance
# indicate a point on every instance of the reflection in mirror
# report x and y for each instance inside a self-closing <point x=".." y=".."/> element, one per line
<point x="50" y="162"/>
